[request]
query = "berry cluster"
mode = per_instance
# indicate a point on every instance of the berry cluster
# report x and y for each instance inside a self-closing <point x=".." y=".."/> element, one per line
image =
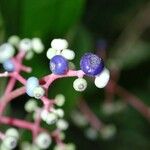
<point x="51" y="112"/>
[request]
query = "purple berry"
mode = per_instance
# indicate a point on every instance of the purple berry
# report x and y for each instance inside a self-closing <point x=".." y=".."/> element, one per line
<point x="59" y="65"/>
<point x="8" y="65"/>
<point x="91" y="64"/>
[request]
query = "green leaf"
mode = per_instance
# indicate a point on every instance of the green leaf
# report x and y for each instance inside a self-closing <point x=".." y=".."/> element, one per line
<point x="54" y="17"/>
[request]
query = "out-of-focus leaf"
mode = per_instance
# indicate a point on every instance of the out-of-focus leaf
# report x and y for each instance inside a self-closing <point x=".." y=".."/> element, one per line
<point x="53" y="17"/>
<point x="132" y="57"/>
<point x="40" y="18"/>
<point x="1" y="29"/>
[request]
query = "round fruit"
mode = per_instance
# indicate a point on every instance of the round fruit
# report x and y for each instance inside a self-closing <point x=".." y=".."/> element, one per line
<point x="8" y="65"/>
<point x="59" y="65"/>
<point x="91" y="64"/>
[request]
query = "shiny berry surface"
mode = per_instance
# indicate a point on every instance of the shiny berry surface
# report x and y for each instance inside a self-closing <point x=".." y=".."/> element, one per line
<point x="91" y="64"/>
<point x="59" y="65"/>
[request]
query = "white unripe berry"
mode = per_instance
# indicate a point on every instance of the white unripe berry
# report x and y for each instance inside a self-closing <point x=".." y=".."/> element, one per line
<point x="61" y="124"/>
<point x="31" y="105"/>
<point x="25" y="145"/>
<point x="59" y="113"/>
<point x="51" y="53"/>
<point x="68" y="54"/>
<point x="12" y="132"/>
<point x="6" y="52"/>
<point x="14" y="40"/>
<point x="43" y="140"/>
<point x="25" y="45"/>
<point x="37" y="45"/>
<point x="44" y="114"/>
<point x="108" y="131"/>
<point x="91" y="133"/>
<point x="29" y="55"/>
<point x="51" y="118"/>
<point x="3" y="147"/>
<point x="38" y="92"/>
<point x="10" y="142"/>
<point x="59" y="44"/>
<point x="60" y="100"/>
<point x="80" y="84"/>
<point x="102" y="79"/>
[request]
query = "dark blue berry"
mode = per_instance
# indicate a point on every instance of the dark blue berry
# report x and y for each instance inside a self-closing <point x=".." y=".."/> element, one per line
<point x="91" y="64"/>
<point x="59" y="65"/>
<point x="8" y="65"/>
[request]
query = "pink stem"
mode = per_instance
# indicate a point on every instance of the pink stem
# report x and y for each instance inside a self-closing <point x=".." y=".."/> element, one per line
<point x="4" y="100"/>
<point x="52" y="77"/>
<point x="18" y="123"/>
<point x="95" y="122"/>
<point x="133" y="101"/>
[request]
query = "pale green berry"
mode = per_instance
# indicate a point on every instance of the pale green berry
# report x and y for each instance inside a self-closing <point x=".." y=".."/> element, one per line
<point x="38" y="92"/>
<point x="3" y="147"/>
<point x="80" y="84"/>
<point x="25" y="45"/>
<point x="91" y="133"/>
<point x="14" y="40"/>
<point x="12" y="132"/>
<point x="31" y="105"/>
<point x="68" y="54"/>
<point x="59" y="44"/>
<point x="60" y="100"/>
<point x="37" y="45"/>
<point x="108" y="131"/>
<point x="10" y="142"/>
<point x="43" y="140"/>
<point x="61" y="124"/>
<point x="51" y="118"/>
<point x="29" y="55"/>
<point x="51" y="53"/>
<point x="59" y="113"/>
<point x="44" y="114"/>
<point x="102" y="79"/>
<point x="6" y="52"/>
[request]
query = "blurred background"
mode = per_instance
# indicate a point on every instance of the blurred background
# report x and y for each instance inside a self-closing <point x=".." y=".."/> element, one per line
<point x="119" y="32"/>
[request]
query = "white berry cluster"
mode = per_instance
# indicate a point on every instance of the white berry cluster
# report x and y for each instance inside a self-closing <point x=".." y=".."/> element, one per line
<point x="55" y="115"/>
<point x="60" y="47"/>
<point x="10" y="140"/>
<point x="28" y="45"/>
